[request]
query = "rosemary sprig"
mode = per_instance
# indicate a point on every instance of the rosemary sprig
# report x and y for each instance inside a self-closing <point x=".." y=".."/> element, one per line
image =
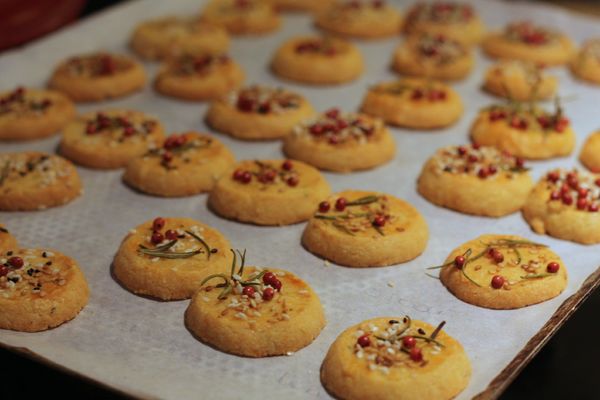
<point x="437" y="330"/>
<point x="162" y="251"/>
<point x="468" y="259"/>
<point x="202" y="242"/>
<point x="342" y="228"/>
<point x="363" y="200"/>
<point x="536" y="276"/>
<point x="234" y="278"/>
<point x="514" y="242"/>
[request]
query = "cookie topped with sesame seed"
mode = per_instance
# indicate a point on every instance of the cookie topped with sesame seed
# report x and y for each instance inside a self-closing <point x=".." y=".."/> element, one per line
<point x="520" y="80"/>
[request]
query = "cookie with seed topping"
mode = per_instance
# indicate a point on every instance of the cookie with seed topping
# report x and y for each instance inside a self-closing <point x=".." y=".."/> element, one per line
<point x="35" y="181"/>
<point x="503" y="272"/>
<point x="7" y="241"/>
<point x="520" y="80"/>
<point x="590" y="152"/>
<point x="475" y="180"/>
<point x="167" y="258"/>
<point x="586" y="63"/>
<point x="39" y="289"/>
<point x="389" y="358"/>
<point x="242" y="17"/>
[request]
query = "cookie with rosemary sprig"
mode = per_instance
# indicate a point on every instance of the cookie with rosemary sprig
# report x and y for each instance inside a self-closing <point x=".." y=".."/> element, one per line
<point x="475" y="179"/>
<point x="389" y="358"/>
<point x="34" y="180"/>
<point x="268" y="192"/>
<point x="258" y="112"/>
<point x="242" y="17"/>
<point x="27" y="114"/>
<point x="503" y="272"/>
<point x="413" y="103"/>
<point x="524" y="130"/>
<point x="564" y="204"/>
<point x="167" y="257"/>
<point x="520" y="80"/>
<point x="110" y="139"/>
<point x="590" y="152"/>
<point x="341" y="142"/>
<point x="255" y="311"/>
<point x="39" y="289"/>
<point x="185" y="164"/>
<point x="7" y="241"/>
<point x="586" y="63"/>
<point x="318" y="60"/>
<point x="365" y="229"/>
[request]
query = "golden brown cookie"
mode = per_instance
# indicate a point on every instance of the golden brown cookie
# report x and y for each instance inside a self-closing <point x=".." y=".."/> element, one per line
<point x="27" y="114"/>
<point x="255" y="312"/>
<point x="167" y="258"/>
<point x="35" y="181"/>
<point x="366" y="229"/>
<point x="98" y="76"/>
<point x="503" y="272"/>
<point x="7" y="241"/>
<point x="564" y="204"/>
<point x="413" y="103"/>
<point x="391" y="358"/>
<point x="434" y="57"/>
<point x="269" y="192"/>
<point x="526" y="41"/>
<point x="258" y="112"/>
<point x="318" y="60"/>
<point x="520" y="80"/>
<point x="186" y="164"/>
<point x="242" y="17"/>
<point x="475" y="180"/>
<point x="110" y="139"/>
<point x="590" y="152"/>
<point x="173" y="36"/>
<point x="341" y="142"/>
<point x="301" y="5"/>
<point x="39" y="289"/>
<point x="586" y="64"/>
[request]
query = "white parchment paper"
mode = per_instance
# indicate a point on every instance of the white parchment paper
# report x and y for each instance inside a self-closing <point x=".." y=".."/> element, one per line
<point x="141" y="346"/>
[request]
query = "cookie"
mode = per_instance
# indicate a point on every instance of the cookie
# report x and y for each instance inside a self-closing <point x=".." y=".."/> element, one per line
<point x="7" y="241"/>
<point x="167" y="258"/>
<point x="258" y="112"/>
<point x="186" y="164"/>
<point x="520" y="80"/>
<point x="503" y="272"/>
<point x="200" y="77"/>
<point x="98" y="76"/>
<point x="269" y="192"/>
<point x="523" y="40"/>
<point x="454" y="20"/>
<point x="365" y="19"/>
<point x="170" y="36"/>
<point x="35" y="181"/>
<point x="586" y="64"/>
<point x="341" y="142"/>
<point x="366" y="229"/>
<point x="255" y="312"/>
<point x="318" y="60"/>
<point x="475" y="180"/>
<point x="110" y="139"/>
<point x="564" y="204"/>
<point x="301" y="5"/>
<point x="27" y="114"/>
<point x="242" y="17"/>
<point x="433" y="57"/>
<point x="39" y="289"/>
<point x="590" y="152"/>
<point x="413" y="103"/>
<point x="524" y="132"/>
<point x="390" y="358"/>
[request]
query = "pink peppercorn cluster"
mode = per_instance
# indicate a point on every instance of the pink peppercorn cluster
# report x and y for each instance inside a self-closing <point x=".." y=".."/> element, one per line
<point x="556" y="123"/>
<point x="442" y="11"/>
<point x="271" y="284"/>
<point x="12" y="263"/>
<point x="188" y="65"/>
<point x="409" y="343"/>
<point x="317" y="46"/>
<point x="527" y="32"/>
<point x="569" y="189"/>
<point x="268" y="174"/>
<point x="263" y="100"/>
<point x="104" y="122"/>
<point x="429" y="94"/>
<point x="173" y="142"/>
<point x="17" y="98"/>
<point x="466" y="158"/>
<point x="336" y="128"/>
<point x="157" y="236"/>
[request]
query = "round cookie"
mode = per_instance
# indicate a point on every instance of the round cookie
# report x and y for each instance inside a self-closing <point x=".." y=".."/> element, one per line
<point x="255" y="312"/>
<point x="454" y="20"/>
<point x="242" y="17"/>
<point x="318" y="60"/>
<point x="475" y="180"/>
<point x="365" y="19"/>
<point x="269" y="192"/>
<point x="503" y="272"/>
<point x="27" y="114"/>
<point x="590" y="152"/>
<point x="366" y="229"/>
<point x="391" y="358"/>
<point x="110" y="139"/>
<point x="173" y="36"/>
<point x="186" y="164"/>
<point x="586" y="64"/>
<point x="434" y="57"/>
<point x="301" y="5"/>
<point x="258" y="112"/>
<point x="7" y="241"/>
<point x="564" y="204"/>
<point x="39" y="289"/>
<point x="167" y="258"/>
<point x="524" y="132"/>
<point x="341" y="142"/>
<point x="520" y="81"/>
<point x="35" y="181"/>
<point x="525" y="41"/>
<point x="200" y="77"/>
<point x="98" y="76"/>
<point x="413" y="103"/>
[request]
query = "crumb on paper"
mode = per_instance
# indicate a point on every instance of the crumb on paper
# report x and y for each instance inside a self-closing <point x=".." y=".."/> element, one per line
<point x="391" y="284"/>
